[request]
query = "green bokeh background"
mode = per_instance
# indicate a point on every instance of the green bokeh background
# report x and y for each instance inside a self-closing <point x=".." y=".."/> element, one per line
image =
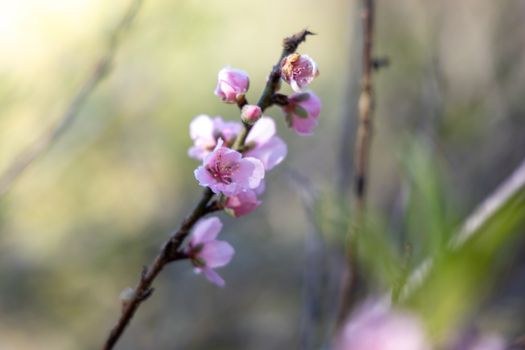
<point x="76" y="228"/>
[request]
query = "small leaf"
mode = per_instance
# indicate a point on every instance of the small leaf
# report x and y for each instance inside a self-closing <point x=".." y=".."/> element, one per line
<point x="300" y="112"/>
<point x="230" y="212"/>
<point x="305" y="96"/>
<point x="198" y="262"/>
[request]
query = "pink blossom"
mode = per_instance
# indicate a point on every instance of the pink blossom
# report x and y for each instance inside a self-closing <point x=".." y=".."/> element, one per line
<point x="374" y="326"/>
<point x="491" y="342"/>
<point x="302" y="112"/>
<point x="225" y="170"/>
<point x="474" y="340"/>
<point x="232" y="84"/>
<point x="263" y="144"/>
<point x="251" y="113"/>
<point x="206" y="253"/>
<point x="298" y="71"/>
<point x="205" y="131"/>
<point x="243" y="203"/>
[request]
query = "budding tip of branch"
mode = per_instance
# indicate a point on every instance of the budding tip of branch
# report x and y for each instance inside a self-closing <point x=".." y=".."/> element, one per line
<point x="147" y="294"/>
<point x="144" y="272"/>
<point x="380" y="62"/>
<point x="307" y="32"/>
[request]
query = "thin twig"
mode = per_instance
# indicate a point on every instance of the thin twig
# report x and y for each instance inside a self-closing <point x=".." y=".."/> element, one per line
<point x="171" y="249"/>
<point x="365" y="107"/>
<point x="512" y="186"/>
<point x="361" y="160"/>
<point x="101" y="69"/>
<point x="166" y="255"/>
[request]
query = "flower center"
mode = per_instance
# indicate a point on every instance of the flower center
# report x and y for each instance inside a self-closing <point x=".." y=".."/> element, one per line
<point x="302" y="72"/>
<point x="221" y="172"/>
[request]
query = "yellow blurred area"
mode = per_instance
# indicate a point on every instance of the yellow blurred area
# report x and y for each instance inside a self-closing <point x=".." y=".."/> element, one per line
<point x="78" y="225"/>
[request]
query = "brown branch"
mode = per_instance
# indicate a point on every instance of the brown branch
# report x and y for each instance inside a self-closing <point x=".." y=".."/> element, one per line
<point x="365" y="108"/>
<point x="23" y="160"/>
<point x="169" y="253"/>
<point x="171" y="249"/>
<point x="361" y="159"/>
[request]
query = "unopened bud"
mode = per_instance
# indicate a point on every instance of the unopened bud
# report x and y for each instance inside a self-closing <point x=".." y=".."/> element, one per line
<point x="232" y="84"/>
<point x="126" y="296"/>
<point x="250" y="114"/>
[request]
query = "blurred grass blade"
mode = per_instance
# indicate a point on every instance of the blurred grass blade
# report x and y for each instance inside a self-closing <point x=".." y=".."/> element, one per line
<point x="448" y="288"/>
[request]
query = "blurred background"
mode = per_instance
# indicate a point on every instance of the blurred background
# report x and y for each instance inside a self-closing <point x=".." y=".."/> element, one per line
<point x="78" y="225"/>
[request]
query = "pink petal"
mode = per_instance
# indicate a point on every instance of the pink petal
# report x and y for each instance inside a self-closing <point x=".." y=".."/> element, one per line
<point x="227" y="92"/>
<point x="228" y="189"/>
<point x="262" y="131"/>
<point x="216" y="253"/>
<point x="270" y="153"/>
<point x="261" y="188"/>
<point x="231" y="83"/>
<point x="201" y="127"/>
<point x="228" y="130"/>
<point x="312" y="105"/>
<point x="197" y="152"/>
<point x="203" y="177"/>
<point x="213" y="277"/>
<point x="201" y="132"/>
<point x="250" y="172"/>
<point x="206" y="230"/>
<point x="374" y="326"/>
<point x="243" y="203"/>
<point x="304" y="126"/>
<point x="305" y="72"/>
<point x="295" y="86"/>
<point x="229" y="156"/>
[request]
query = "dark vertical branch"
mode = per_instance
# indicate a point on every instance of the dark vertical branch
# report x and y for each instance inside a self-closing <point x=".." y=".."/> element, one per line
<point x="365" y="108"/>
<point x="361" y="159"/>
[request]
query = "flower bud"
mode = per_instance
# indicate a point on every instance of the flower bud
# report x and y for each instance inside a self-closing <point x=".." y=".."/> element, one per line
<point x="298" y="71"/>
<point x="250" y="114"/>
<point x="232" y="84"/>
<point x="126" y="296"/>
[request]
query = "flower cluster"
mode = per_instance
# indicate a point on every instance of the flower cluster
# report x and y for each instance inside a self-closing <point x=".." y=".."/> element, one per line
<point x="236" y="155"/>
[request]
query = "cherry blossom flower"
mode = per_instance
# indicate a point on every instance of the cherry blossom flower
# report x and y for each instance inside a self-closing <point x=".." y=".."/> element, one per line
<point x="302" y="112"/>
<point x="374" y="326"/>
<point x="225" y="170"/>
<point x="206" y="252"/>
<point x="205" y="131"/>
<point x="263" y="144"/>
<point x="298" y="71"/>
<point x="244" y="202"/>
<point x="251" y="113"/>
<point x="232" y="84"/>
